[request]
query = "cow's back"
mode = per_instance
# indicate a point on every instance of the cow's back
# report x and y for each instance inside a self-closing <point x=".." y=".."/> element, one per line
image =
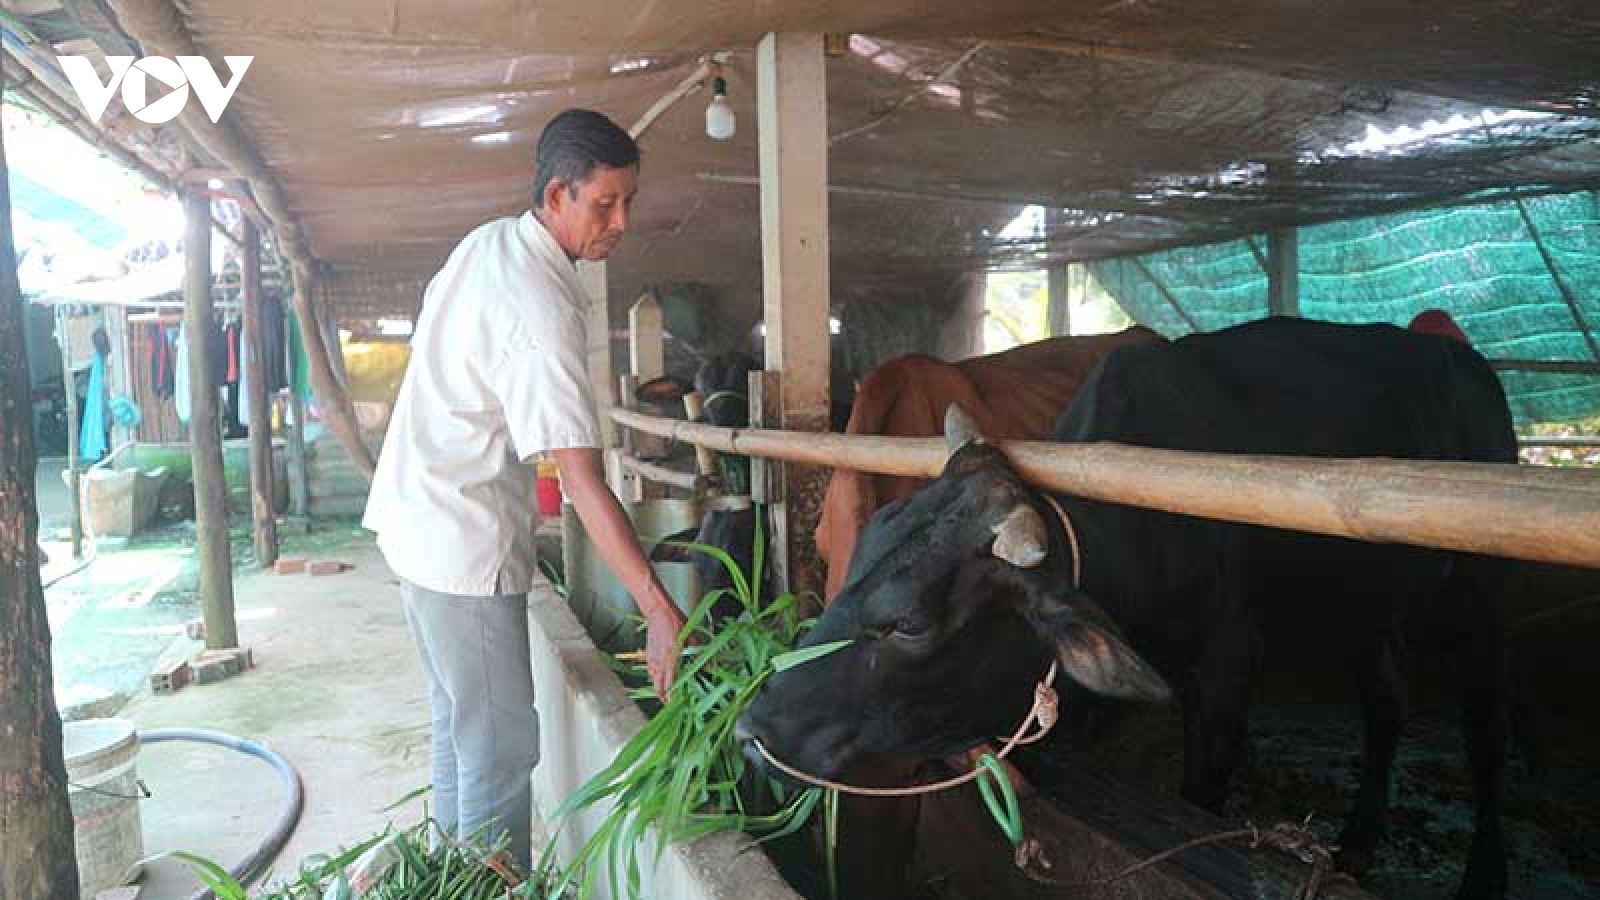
<point x="1281" y="387"/>
<point x="1017" y="394"/>
<point x="1300" y="387"/>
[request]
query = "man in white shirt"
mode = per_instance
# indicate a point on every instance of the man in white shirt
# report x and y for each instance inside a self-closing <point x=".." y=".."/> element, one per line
<point x="498" y="377"/>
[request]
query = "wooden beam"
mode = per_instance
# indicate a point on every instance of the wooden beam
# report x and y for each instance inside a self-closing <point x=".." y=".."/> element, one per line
<point x="324" y="382"/>
<point x="263" y="511"/>
<point x="1525" y="512"/>
<point x="205" y="431"/>
<point x="1283" y="272"/>
<point x="791" y="88"/>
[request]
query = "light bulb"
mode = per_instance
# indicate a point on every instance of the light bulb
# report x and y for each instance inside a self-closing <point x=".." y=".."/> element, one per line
<point x="720" y="123"/>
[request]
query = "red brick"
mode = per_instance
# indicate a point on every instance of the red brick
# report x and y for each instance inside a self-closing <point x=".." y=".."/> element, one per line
<point x="328" y="566"/>
<point x="290" y="565"/>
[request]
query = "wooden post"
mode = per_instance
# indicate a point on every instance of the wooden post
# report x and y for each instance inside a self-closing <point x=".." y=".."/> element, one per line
<point x="625" y="482"/>
<point x="1283" y="271"/>
<point x="647" y="359"/>
<point x="598" y="332"/>
<point x="705" y="459"/>
<point x="69" y="383"/>
<point x="1058" y="305"/>
<point x="793" y="139"/>
<point x="36" y="849"/>
<point x="205" y="430"/>
<point x="262" y="511"/>
<point x="646" y="341"/>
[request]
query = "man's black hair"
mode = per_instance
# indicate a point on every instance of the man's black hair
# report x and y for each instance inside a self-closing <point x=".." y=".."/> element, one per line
<point x="574" y="143"/>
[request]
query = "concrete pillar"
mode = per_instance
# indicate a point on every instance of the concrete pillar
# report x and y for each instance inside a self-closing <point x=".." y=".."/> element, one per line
<point x="793" y="140"/>
<point x="1283" y="271"/>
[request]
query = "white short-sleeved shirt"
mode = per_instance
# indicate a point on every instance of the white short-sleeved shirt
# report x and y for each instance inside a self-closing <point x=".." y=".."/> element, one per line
<point x="497" y="376"/>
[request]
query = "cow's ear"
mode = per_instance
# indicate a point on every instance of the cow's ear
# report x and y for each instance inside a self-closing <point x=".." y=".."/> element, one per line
<point x="1090" y="647"/>
<point x="671" y="548"/>
<point x="960" y="429"/>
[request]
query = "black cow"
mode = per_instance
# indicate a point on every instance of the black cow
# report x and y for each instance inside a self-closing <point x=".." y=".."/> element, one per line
<point x="730" y="524"/>
<point x="959" y="596"/>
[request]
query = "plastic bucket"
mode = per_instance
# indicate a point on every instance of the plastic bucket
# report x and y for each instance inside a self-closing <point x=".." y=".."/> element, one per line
<point x="103" y="787"/>
<point x="548" y="489"/>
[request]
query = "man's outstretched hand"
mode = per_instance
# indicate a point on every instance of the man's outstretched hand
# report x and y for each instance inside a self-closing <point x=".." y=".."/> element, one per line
<point x="661" y="649"/>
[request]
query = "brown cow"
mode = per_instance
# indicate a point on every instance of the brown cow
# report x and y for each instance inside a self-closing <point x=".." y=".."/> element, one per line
<point x="1014" y="395"/>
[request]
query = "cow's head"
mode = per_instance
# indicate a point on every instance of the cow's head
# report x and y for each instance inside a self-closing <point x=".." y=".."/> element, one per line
<point x="956" y="600"/>
<point x="730" y="524"/>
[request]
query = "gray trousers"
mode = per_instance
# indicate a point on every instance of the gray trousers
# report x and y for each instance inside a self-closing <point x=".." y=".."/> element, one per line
<point x="485" y="730"/>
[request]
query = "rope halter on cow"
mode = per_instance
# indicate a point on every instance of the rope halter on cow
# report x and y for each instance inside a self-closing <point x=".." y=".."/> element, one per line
<point x="1044" y="713"/>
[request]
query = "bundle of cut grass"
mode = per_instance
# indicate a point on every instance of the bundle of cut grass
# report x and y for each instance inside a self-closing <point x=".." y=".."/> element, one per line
<point x="683" y="775"/>
<point x="415" y="864"/>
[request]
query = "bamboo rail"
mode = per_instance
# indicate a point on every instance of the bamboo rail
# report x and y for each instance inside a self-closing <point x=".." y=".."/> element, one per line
<point x="1546" y="515"/>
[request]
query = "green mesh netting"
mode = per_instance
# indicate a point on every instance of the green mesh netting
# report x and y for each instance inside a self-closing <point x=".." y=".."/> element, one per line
<point x="1482" y="264"/>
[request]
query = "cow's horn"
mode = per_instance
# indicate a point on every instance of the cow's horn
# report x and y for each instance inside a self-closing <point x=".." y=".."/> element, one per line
<point x="960" y="429"/>
<point x="1020" y="538"/>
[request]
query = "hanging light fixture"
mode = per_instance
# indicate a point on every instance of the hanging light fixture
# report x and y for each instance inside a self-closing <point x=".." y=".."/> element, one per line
<point x="720" y="123"/>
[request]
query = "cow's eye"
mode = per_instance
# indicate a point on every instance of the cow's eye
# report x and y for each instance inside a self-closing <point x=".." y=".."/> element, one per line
<point x="912" y="626"/>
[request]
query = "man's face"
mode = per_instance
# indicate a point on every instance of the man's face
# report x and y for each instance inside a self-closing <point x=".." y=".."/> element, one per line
<point x="588" y="225"/>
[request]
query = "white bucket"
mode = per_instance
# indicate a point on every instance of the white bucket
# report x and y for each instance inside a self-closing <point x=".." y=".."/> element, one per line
<point x="104" y="789"/>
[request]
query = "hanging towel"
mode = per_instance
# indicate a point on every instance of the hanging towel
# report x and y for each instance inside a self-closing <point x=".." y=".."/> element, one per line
<point x="299" y="375"/>
<point x="92" y="430"/>
<point x="180" y="377"/>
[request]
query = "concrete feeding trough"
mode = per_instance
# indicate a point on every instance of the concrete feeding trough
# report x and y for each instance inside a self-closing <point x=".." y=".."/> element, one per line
<point x="585" y="716"/>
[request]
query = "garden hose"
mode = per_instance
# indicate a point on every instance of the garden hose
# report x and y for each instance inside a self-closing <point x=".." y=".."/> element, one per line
<point x="258" y="859"/>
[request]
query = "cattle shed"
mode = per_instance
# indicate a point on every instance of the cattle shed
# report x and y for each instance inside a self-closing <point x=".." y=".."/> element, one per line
<point x="1205" y="165"/>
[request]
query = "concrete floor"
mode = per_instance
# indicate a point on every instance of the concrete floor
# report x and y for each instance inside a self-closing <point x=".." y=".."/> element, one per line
<point x="337" y="691"/>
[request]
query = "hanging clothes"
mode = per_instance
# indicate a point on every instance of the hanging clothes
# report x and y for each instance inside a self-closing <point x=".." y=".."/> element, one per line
<point x="92" y="430"/>
<point x="160" y="358"/>
<point x="231" y="333"/>
<point x="180" y="380"/>
<point x="299" y="367"/>
<point x="245" y="356"/>
<point x="272" y="323"/>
